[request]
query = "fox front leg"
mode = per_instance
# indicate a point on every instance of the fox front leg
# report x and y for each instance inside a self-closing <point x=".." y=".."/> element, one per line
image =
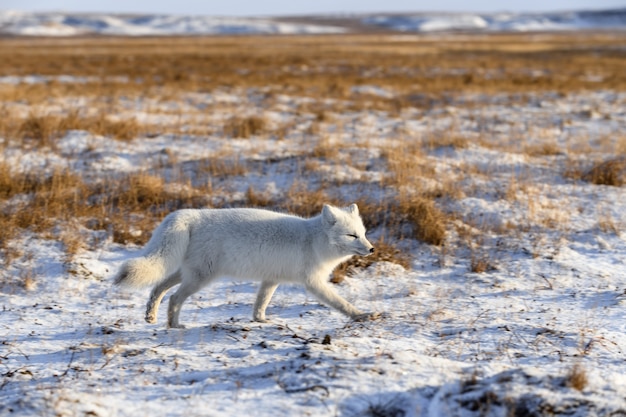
<point x="262" y="300"/>
<point x="327" y="295"/>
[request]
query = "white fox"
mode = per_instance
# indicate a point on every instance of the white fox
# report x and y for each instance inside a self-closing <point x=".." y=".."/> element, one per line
<point x="193" y="247"/>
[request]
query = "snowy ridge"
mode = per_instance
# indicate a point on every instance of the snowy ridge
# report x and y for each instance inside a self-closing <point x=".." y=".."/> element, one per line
<point x="501" y="22"/>
<point x="73" y="24"/>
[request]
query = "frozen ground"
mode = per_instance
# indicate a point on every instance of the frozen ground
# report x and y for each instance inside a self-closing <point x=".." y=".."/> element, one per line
<point x="514" y="340"/>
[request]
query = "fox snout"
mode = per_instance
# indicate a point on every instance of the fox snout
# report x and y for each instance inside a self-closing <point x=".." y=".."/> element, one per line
<point x="368" y="249"/>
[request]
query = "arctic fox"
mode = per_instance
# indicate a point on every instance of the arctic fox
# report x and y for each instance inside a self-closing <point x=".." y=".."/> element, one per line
<point x="193" y="247"/>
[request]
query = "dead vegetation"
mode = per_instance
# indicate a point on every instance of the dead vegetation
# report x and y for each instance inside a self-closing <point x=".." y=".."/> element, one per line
<point x="427" y="221"/>
<point x="610" y="172"/>
<point x="324" y="66"/>
<point x="385" y="252"/>
<point x="42" y="129"/>
<point x="480" y="263"/>
<point x="425" y="75"/>
<point x="244" y="127"/>
<point x="57" y="204"/>
<point x="576" y="377"/>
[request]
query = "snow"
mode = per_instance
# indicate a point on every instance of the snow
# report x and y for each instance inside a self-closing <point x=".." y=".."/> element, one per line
<point x="451" y="342"/>
<point x="73" y="24"/>
<point x="430" y="23"/>
<point x="501" y="22"/>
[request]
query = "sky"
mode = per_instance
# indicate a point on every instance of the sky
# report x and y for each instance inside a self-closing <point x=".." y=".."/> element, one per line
<point x="295" y="7"/>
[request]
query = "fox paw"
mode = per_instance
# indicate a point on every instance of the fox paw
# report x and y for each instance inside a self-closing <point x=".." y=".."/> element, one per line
<point x="151" y="318"/>
<point x="260" y="320"/>
<point x="366" y="316"/>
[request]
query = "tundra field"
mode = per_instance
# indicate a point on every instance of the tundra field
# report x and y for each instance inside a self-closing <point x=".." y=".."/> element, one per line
<point x="489" y="170"/>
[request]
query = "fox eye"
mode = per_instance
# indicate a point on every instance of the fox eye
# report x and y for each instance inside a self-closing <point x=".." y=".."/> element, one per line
<point x="352" y="236"/>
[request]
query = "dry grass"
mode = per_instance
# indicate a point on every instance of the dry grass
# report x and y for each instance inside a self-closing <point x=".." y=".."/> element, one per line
<point x="384" y="252"/>
<point x="576" y="377"/>
<point x="427" y="221"/>
<point x="222" y="166"/>
<point x="257" y="199"/>
<point x="321" y="70"/>
<point x="41" y="129"/>
<point x="448" y="140"/>
<point x="73" y="242"/>
<point x="43" y="200"/>
<point x="406" y="163"/>
<point x="56" y="204"/>
<point x="544" y="149"/>
<point x="124" y="129"/>
<point x="244" y="127"/>
<point x="325" y="149"/>
<point x="480" y="263"/>
<point x="610" y="172"/>
<point x="607" y="224"/>
<point x="143" y="191"/>
<point x="302" y="201"/>
<point x="49" y="196"/>
<point x="493" y="63"/>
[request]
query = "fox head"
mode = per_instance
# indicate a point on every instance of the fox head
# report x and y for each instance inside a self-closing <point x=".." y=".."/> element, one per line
<point x="345" y="230"/>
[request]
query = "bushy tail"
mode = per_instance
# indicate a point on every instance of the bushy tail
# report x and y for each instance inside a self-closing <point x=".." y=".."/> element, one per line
<point x="162" y="255"/>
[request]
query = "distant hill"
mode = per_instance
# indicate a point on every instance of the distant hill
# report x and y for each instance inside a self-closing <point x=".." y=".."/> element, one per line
<point x="501" y="22"/>
<point x="74" y="24"/>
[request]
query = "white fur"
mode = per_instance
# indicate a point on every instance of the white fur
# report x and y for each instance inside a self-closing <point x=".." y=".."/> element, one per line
<point x="194" y="247"/>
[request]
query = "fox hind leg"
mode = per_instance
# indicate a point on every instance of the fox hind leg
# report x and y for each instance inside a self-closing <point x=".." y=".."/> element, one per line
<point x="152" y="308"/>
<point x="262" y="300"/>
<point x="192" y="282"/>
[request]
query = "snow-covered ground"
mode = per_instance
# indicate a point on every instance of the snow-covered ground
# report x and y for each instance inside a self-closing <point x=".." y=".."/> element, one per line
<point x="69" y="24"/>
<point x="451" y="342"/>
<point x="72" y="24"/>
<point x="502" y="22"/>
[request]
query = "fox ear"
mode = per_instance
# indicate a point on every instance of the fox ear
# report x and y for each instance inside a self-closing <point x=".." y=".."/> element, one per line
<point x="353" y="209"/>
<point x="328" y="217"/>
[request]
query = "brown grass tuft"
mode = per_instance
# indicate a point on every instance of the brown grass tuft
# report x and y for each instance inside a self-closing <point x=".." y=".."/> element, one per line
<point x="449" y="140"/>
<point x="257" y="199"/>
<point x="607" y="224"/>
<point x="222" y="167"/>
<point x="40" y="128"/>
<point x="304" y="202"/>
<point x="428" y="222"/>
<point x="73" y="242"/>
<point x="244" y="127"/>
<point x="325" y="149"/>
<point x="11" y="183"/>
<point x="44" y="129"/>
<point x="129" y="228"/>
<point x="384" y="252"/>
<point x="576" y="377"/>
<point x="124" y="129"/>
<point x="143" y="191"/>
<point x="406" y="164"/>
<point x="610" y="172"/>
<point x="544" y="149"/>
<point x="480" y="264"/>
<point x="54" y="196"/>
